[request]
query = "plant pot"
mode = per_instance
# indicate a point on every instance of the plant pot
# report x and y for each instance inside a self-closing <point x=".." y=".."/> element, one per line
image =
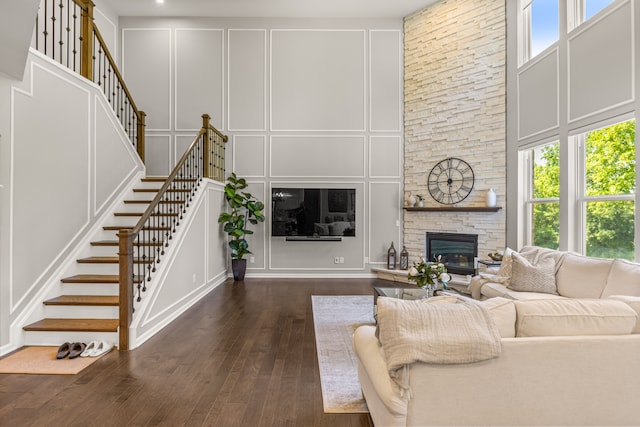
<point x="239" y="267"/>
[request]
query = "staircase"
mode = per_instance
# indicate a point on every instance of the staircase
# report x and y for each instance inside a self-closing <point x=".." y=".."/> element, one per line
<point x="88" y="308"/>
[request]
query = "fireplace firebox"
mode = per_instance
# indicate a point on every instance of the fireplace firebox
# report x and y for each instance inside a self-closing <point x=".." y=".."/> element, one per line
<point x="459" y="252"/>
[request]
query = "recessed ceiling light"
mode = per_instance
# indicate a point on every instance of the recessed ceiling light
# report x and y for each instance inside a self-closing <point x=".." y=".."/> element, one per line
<point x="160" y="1"/>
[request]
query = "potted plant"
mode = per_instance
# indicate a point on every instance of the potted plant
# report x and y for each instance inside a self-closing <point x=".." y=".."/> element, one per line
<point x="244" y="209"/>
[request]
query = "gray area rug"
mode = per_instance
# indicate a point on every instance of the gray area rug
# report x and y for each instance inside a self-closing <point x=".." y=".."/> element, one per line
<point x="335" y="318"/>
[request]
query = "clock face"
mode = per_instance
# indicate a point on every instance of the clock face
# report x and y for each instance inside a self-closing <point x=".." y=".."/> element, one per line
<point x="450" y="181"/>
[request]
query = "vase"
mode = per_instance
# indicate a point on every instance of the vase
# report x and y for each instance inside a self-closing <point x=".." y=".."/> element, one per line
<point x="239" y="267"/>
<point x="491" y="198"/>
<point x="412" y="200"/>
<point x="421" y="204"/>
<point x="429" y="288"/>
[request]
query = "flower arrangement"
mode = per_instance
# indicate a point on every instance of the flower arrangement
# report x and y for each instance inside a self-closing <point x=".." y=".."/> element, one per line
<point x="420" y="197"/>
<point x="429" y="273"/>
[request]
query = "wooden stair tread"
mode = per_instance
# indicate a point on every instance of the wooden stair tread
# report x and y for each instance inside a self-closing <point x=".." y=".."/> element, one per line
<point x="107" y="260"/>
<point x="117" y="243"/>
<point x="96" y="278"/>
<point x="155" y="190"/>
<point x="146" y="202"/>
<point x="123" y="227"/>
<point x="141" y="213"/>
<point x="92" y="300"/>
<point x="74" y="325"/>
<point x="92" y="278"/>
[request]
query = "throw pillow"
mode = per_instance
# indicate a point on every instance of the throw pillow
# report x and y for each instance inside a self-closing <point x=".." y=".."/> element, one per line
<point x="528" y="277"/>
<point x="505" y="267"/>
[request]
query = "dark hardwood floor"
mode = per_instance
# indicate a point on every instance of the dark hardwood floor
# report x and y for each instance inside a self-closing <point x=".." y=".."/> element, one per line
<point x="245" y="355"/>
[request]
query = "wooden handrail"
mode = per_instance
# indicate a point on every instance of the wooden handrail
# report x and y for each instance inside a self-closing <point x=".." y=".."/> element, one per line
<point x="79" y="44"/>
<point x="103" y="44"/>
<point x="194" y="165"/>
<point x="86" y="47"/>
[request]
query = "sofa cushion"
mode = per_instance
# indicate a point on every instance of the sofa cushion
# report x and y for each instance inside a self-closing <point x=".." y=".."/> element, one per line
<point x="582" y="276"/>
<point x="504" y="314"/>
<point x="634" y="303"/>
<point x="566" y="317"/>
<point x="529" y="277"/>
<point x="624" y="279"/>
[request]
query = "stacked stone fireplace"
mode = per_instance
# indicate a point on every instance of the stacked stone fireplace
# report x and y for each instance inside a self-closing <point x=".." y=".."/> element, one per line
<point x="455" y="90"/>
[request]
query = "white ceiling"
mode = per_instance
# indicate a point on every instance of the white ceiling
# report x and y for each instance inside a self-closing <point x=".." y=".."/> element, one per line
<point x="269" y="8"/>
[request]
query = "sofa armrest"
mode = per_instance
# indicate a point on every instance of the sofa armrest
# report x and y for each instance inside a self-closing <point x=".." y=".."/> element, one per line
<point x="372" y="364"/>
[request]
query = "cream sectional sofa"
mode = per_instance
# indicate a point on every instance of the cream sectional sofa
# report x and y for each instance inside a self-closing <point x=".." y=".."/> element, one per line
<point x="575" y="276"/>
<point x="569" y="356"/>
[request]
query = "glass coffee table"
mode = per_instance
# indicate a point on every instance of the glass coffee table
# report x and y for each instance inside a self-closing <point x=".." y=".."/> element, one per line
<point x="400" y="293"/>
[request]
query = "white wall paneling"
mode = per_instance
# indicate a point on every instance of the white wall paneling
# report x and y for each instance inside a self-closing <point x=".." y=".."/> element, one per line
<point x="601" y="64"/>
<point x="112" y="148"/>
<point x="258" y="240"/>
<point x="317" y="156"/>
<point x="217" y="250"/>
<point x="146" y="67"/>
<point x="249" y="155"/>
<point x="538" y="96"/>
<point x="318" y="80"/>
<point x="385" y="62"/>
<point x="199" y="74"/>
<point x="247" y="93"/>
<point x="108" y="31"/>
<point x="59" y="149"/>
<point x="317" y="257"/>
<point x="385" y="157"/>
<point x="384" y="222"/>
<point x="158" y="155"/>
<point x="182" y="143"/>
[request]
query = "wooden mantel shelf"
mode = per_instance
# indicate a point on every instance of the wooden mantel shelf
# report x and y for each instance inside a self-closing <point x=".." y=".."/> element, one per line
<point x="452" y="209"/>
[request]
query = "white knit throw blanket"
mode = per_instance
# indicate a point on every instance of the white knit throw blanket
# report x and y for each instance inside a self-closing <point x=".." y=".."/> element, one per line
<point x="440" y="330"/>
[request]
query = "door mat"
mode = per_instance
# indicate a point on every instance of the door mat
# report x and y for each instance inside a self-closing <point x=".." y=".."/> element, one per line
<point x="42" y="360"/>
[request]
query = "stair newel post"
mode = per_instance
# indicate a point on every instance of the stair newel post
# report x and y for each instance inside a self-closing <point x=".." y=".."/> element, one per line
<point x="125" y="254"/>
<point x="140" y="134"/>
<point x="86" y="56"/>
<point x="206" y="123"/>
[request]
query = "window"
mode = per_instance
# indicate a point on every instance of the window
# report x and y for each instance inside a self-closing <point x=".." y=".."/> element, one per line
<point x="609" y="159"/>
<point x="582" y="10"/>
<point x="539" y="27"/>
<point x="543" y="199"/>
<point x="600" y="187"/>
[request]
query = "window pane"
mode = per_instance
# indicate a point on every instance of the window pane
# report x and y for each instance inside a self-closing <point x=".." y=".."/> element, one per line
<point x="610" y="229"/>
<point x="546" y="171"/>
<point x="544" y="25"/>
<point x="610" y="160"/>
<point x="546" y="225"/>
<point x="595" y="6"/>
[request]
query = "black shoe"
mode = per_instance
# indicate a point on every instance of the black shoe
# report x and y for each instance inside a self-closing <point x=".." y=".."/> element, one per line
<point x="76" y="349"/>
<point x="63" y="351"/>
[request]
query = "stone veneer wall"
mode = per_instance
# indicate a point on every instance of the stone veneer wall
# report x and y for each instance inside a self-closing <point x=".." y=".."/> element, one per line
<point x="454" y="94"/>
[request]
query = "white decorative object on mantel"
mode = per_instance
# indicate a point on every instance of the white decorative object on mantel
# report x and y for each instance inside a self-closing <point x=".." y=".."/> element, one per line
<point x="491" y="198"/>
<point x="412" y="200"/>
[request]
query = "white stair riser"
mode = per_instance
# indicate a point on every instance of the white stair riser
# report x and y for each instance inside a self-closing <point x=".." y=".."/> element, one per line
<point x="81" y="312"/>
<point x="89" y="289"/>
<point x="55" y="338"/>
<point x="110" y="269"/>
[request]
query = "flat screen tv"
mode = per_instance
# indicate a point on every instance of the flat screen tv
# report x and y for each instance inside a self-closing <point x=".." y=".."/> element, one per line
<point x="313" y="212"/>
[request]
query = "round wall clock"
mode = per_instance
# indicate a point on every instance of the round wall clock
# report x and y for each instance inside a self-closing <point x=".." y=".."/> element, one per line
<point x="450" y="181"/>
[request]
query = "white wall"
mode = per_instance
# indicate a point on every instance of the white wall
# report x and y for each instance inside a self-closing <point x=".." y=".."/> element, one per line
<point x="61" y="170"/>
<point x="313" y="103"/>
<point x="584" y="80"/>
